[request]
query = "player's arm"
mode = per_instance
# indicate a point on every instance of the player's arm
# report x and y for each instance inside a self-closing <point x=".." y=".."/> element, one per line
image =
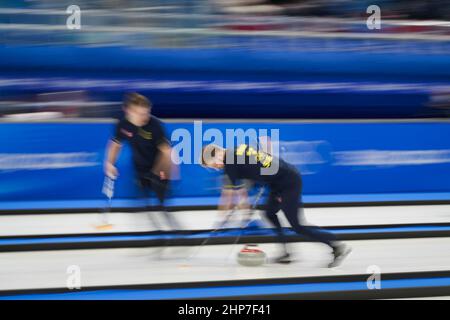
<point x="234" y="194"/>
<point x="163" y="164"/>
<point x="230" y="199"/>
<point x="112" y="153"/>
<point x="226" y="200"/>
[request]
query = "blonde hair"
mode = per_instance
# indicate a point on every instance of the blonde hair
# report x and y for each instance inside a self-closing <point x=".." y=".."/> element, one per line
<point x="137" y="99"/>
<point x="208" y="153"/>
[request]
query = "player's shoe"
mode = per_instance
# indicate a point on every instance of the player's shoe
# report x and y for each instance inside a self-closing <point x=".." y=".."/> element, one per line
<point x="284" y="259"/>
<point x="340" y="252"/>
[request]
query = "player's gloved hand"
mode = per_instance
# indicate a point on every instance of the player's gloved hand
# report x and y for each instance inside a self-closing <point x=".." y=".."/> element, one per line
<point x="110" y="170"/>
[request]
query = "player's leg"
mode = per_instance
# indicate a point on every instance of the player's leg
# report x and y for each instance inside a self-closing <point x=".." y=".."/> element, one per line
<point x="293" y="209"/>
<point x="144" y="188"/>
<point x="161" y="189"/>
<point x="272" y="207"/>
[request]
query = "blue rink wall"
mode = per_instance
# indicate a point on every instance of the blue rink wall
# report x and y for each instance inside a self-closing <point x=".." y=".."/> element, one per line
<point x="59" y="164"/>
<point x="349" y="80"/>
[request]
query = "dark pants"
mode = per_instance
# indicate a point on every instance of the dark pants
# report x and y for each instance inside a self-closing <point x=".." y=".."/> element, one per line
<point x="149" y="182"/>
<point x="288" y="190"/>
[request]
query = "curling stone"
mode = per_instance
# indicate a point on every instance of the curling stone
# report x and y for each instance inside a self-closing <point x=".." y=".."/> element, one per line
<point x="251" y="255"/>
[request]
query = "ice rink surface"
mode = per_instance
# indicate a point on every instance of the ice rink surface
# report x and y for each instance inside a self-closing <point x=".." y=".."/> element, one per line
<point x="157" y="265"/>
<point x="76" y="223"/>
<point x="49" y="269"/>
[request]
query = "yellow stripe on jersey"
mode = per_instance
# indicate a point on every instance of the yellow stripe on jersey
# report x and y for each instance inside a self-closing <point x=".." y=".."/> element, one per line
<point x="263" y="158"/>
<point x="230" y="186"/>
